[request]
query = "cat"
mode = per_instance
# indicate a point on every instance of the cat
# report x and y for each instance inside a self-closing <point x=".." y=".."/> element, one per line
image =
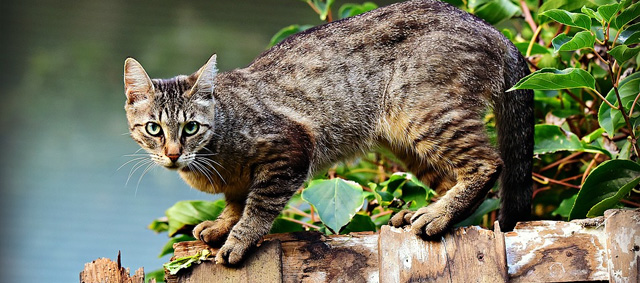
<point x="415" y="77"/>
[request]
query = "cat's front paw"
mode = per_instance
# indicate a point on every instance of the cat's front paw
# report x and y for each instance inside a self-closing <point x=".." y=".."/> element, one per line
<point x="212" y="233"/>
<point x="430" y="221"/>
<point x="232" y="252"/>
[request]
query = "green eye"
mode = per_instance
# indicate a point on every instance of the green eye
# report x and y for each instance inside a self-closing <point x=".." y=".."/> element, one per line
<point x="191" y="128"/>
<point x="154" y="129"/>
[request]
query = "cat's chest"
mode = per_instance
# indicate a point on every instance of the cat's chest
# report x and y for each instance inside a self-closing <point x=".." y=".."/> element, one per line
<point x="229" y="185"/>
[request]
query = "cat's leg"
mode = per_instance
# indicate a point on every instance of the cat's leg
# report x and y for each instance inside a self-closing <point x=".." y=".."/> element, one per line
<point x="265" y="201"/>
<point x="476" y="172"/>
<point x="277" y="172"/>
<point x="214" y="233"/>
<point x="438" y="180"/>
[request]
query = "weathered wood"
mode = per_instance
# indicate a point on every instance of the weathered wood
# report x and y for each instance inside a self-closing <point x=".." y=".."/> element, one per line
<point x="553" y="251"/>
<point x="263" y="265"/>
<point x="104" y="270"/>
<point x="305" y="257"/>
<point x="622" y="228"/>
<point x="467" y="254"/>
<point x="537" y="251"/>
<point x="313" y="257"/>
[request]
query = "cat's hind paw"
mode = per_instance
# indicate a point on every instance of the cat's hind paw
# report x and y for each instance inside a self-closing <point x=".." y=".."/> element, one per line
<point x="429" y="222"/>
<point x="401" y="219"/>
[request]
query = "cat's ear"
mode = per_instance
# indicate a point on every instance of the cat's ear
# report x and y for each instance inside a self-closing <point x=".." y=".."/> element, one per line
<point x="204" y="78"/>
<point x="137" y="84"/>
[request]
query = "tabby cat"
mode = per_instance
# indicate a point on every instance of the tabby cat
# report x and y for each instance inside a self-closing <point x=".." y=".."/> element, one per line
<point x="414" y="77"/>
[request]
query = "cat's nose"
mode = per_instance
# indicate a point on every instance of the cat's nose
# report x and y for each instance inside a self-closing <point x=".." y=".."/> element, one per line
<point x="173" y="157"/>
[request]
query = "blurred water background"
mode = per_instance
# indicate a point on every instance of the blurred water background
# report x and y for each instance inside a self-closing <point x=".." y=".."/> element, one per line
<point x="63" y="135"/>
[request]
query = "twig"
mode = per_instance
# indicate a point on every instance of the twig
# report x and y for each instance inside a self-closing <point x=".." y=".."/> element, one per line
<point x="629" y="202"/>
<point x="305" y="224"/>
<point x="301" y="213"/>
<point x="533" y="40"/>
<point x="527" y="15"/>
<point x="554" y="164"/>
<point x="634" y="104"/>
<point x="546" y="180"/>
<point x="386" y="212"/>
<point x="591" y="164"/>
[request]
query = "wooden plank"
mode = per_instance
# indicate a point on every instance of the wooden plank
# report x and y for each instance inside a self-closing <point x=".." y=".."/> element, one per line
<point x="623" y="243"/>
<point x="263" y="265"/>
<point x="313" y="257"/>
<point x="104" y="270"/>
<point x="553" y="251"/>
<point x="468" y="254"/>
<point x="305" y="257"/>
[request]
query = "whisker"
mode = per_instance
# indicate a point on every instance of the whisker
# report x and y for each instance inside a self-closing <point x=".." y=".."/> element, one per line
<point x="206" y="161"/>
<point x="135" y="168"/>
<point x="199" y="168"/>
<point x="132" y="160"/>
<point x="149" y="167"/>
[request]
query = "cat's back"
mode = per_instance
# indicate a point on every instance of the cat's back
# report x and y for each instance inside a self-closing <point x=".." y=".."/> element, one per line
<point x="385" y="31"/>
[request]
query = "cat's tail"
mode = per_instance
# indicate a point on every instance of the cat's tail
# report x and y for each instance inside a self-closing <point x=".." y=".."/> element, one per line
<point x="515" y="125"/>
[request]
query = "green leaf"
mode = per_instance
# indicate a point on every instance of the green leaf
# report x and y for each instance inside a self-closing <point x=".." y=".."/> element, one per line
<point x="550" y="78"/>
<point x="359" y="223"/>
<point x="571" y="19"/>
<point x="536" y="49"/>
<point x="324" y="7"/>
<point x="591" y="13"/>
<point x="168" y="247"/>
<point x="157" y="274"/>
<point x="564" y="209"/>
<point x="488" y="205"/>
<point x="551" y="138"/>
<point x="335" y="200"/>
<point x="496" y="11"/>
<point x="568" y="5"/>
<point x="611" y="201"/>
<point x="189" y="213"/>
<point x="611" y="119"/>
<point x="593" y="135"/>
<point x="286" y="32"/>
<point x="608" y="11"/>
<point x="185" y="262"/>
<point x="630" y="35"/>
<point x="583" y="39"/>
<point x="351" y="9"/>
<point x="623" y="53"/>
<point x="603" y="184"/>
<point x="282" y="225"/>
<point x="159" y="225"/>
<point x="629" y="14"/>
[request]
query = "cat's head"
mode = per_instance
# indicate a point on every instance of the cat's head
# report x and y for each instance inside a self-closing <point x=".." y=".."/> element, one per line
<point x="171" y="119"/>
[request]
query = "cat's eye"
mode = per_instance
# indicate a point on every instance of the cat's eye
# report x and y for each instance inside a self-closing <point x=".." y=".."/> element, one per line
<point x="191" y="128"/>
<point x="154" y="129"/>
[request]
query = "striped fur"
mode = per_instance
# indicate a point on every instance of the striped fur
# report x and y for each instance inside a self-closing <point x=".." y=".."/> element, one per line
<point x="415" y="77"/>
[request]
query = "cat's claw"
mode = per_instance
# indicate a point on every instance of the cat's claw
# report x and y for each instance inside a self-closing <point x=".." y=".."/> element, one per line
<point x="232" y="252"/>
<point x="430" y="221"/>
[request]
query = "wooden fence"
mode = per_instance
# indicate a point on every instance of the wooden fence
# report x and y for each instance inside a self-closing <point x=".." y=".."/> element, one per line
<point x="599" y="249"/>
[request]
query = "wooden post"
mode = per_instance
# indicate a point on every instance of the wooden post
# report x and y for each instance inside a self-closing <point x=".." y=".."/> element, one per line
<point x="104" y="270"/>
<point x="623" y="244"/>
<point x="469" y="254"/>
